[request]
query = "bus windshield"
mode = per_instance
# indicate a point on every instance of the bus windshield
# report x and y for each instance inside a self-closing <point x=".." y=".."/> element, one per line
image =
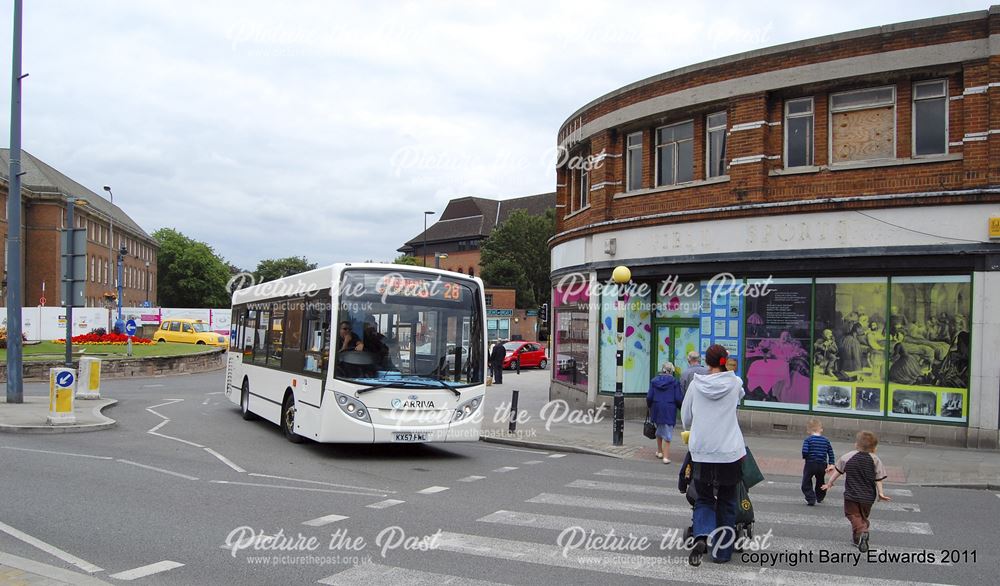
<point x="408" y="329"/>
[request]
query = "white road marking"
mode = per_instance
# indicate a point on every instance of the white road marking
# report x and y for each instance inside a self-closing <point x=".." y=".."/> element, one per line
<point x="661" y="491"/>
<point x="432" y="489"/>
<point x="532" y="462"/>
<point x="205" y="402"/>
<point x="509" y="449"/>
<point x="506" y="469"/>
<point x="170" y="402"/>
<point x="176" y="439"/>
<point x="155" y="469"/>
<point x="50" y="549"/>
<point x="303" y="488"/>
<point x="760" y="517"/>
<point x="144" y="571"/>
<point x="475" y="478"/>
<point x="998" y="494"/>
<point x="214" y="393"/>
<point x="646" y="567"/>
<point x="150" y="386"/>
<point x="59" y="453"/>
<point x="670" y="475"/>
<point x="379" y="575"/>
<point x="320" y="521"/>
<point x="385" y="504"/>
<point x="558" y="456"/>
<point x="159" y="425"/>
<point x="380" y="491"/>
<point x="659" y="536"/>
<point x="225" y="460"/>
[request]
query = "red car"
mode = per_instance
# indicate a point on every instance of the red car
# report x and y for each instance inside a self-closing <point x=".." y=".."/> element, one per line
<point x="529" y="354"/>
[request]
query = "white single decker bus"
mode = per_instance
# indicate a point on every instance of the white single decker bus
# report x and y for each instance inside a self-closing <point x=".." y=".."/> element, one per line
<point x="362" y="353"/>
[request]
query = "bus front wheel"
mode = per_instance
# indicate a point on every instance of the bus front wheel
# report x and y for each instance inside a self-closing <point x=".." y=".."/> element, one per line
<point x="245" y="401"/>
<point x="288" y="419"/>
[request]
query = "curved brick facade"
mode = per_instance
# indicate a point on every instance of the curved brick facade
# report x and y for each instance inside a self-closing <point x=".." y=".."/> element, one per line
<point x="864" y="157"/>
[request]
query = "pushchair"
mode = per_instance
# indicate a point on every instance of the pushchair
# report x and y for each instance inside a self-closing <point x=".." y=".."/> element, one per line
<point x="744" y="508"/>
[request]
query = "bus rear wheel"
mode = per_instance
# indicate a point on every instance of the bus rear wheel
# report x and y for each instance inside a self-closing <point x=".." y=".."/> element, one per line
<point x="288" y="420"/>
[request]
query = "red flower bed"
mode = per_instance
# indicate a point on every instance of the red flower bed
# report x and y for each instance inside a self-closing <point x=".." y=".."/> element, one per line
<point x="117" y="339"/>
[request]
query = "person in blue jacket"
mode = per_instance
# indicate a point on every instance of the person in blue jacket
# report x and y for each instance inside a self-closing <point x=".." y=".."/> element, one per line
<point x="664" y="399"/>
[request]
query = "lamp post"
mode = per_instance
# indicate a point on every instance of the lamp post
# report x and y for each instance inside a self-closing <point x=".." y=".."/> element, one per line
<point x="437" y="259"/>
<point x="621" y="275"/>
<point x="147" y="283"/>
<point x="425" y="235"/>
<point x="15" y="366"/>
<point x="69" y="277"/>
<point x="119" y="323"/>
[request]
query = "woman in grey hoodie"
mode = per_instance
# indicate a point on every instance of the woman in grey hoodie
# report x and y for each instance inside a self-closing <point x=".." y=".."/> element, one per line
<point x="716" y="446"/>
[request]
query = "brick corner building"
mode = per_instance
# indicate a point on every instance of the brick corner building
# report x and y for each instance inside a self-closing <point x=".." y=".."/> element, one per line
<point x="821" y="208"/>
<point x="44" y="192"/>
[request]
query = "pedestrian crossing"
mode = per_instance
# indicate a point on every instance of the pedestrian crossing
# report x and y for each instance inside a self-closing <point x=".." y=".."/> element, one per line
<point x="627" y="526"/>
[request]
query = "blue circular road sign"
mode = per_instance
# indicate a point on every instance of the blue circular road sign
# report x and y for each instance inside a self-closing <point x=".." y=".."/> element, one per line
<point x="130" y="327"/>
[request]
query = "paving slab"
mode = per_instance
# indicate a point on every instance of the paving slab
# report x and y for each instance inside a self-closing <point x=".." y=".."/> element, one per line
<point x="31" y="416"/>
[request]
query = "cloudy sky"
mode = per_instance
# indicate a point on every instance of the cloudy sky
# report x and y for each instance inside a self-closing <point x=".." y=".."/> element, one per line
<point x="325" y="128"/>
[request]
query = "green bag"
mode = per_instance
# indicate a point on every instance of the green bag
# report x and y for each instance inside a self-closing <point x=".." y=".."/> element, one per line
<point x="752" y="475"/>
<point x="744" y="507"/>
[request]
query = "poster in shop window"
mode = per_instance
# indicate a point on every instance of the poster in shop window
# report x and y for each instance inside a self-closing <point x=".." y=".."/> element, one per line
<point x="777" y="346"/>
<point x="848" y="345"/>
<point x="928" y="348"/>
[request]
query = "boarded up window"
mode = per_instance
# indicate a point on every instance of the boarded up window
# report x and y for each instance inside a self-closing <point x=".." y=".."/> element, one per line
<point x="863" y="134"/>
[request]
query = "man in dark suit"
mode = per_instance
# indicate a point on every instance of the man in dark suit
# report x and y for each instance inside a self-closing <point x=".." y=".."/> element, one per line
<point x="496" y="361"/>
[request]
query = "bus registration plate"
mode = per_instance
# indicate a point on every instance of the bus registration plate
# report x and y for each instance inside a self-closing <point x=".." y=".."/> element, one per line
<point x="409" y="436"/>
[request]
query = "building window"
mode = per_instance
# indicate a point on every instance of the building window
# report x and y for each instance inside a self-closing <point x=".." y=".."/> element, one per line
<point x="930" y="118"/>
<point x="583" y="196"/>
<point x="675" y="153"/>
<point x="93" y="262"/>
<point x="633" y="162"/>
<point x="799" y="132"/>
<point x="863" y="125"/>
<point x="715" y="141"/>
<point x="472" y="272"/>
<point x="489" y="300"/>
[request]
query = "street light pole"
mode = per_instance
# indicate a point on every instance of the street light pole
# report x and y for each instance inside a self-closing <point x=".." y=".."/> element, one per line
<point x="119" y="324"/>
<point x="15" y="380"/>
<point x="621" y="275"/>
<point x="425" y="235"/>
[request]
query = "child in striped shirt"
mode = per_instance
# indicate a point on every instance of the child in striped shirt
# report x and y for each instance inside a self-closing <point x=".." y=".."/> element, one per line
<point x="864" y="474"/>
<point x="818" y="454"/>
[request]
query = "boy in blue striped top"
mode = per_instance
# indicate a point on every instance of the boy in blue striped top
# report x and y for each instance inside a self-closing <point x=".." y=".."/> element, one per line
<point x="818" y="454"/>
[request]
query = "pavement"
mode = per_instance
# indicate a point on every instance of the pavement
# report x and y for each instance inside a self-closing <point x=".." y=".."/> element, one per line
<point x="551" y="426"/>
<point x="31" y="416"/>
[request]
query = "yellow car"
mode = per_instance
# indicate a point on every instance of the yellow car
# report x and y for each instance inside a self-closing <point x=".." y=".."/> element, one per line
<point x="189" y="331"/>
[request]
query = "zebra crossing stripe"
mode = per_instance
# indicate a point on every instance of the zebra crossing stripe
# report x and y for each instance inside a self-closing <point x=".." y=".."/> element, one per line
<point x="671" y="479"/>
<point x="385" y="504"/>
<point x="471" y="478"/>
<point x="674" y="569"/>
<point x="659" y="491"/>
<point x="319" y="522"/>
<point x="566" y="500"/>
<point x="379" y="575"/>
<point x="665" y="535"/>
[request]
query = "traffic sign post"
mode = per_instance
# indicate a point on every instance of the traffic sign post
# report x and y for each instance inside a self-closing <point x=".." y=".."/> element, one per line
<point x="130" y="331"/>
<point x="62" y="388"/>
<point x="74" y="271"/>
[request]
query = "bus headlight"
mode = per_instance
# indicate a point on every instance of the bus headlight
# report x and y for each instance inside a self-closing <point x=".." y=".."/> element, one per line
<point x="466" y="409"/>
<point x="353" y="407"/>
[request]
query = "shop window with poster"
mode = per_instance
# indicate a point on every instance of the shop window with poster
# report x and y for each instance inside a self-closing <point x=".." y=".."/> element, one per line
<point x="928" y="348"/>
<point x="571" y="336"/>
<point x="776" y="363"/>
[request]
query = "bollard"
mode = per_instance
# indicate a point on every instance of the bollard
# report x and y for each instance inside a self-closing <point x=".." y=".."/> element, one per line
<point x="518" y="364"/>
<point x="89" y="385"/>
<point x="62" y="384"/>
<point x="513" y="412"/>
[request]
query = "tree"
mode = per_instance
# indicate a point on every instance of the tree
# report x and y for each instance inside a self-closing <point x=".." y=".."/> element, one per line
<point x="189" y="273"/>
<point x="516" y="255"/>
<point x="276" y="268"/>
<point x="406" y="259"/>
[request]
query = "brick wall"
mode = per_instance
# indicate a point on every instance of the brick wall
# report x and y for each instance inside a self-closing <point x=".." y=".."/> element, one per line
<point x="968" y="164"/>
